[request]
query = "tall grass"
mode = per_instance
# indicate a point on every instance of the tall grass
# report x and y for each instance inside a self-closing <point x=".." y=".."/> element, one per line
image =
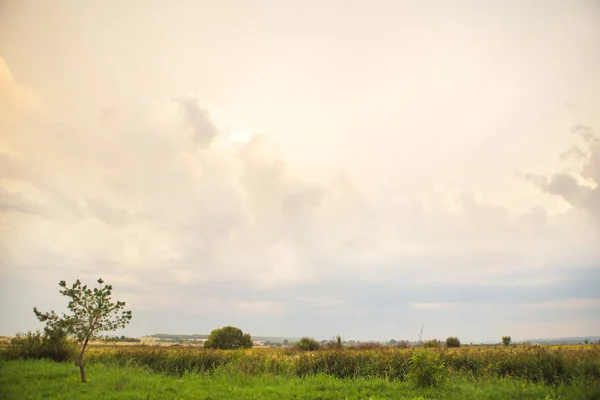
<point x="531" y="363"/>
<point x="36" y="345"/>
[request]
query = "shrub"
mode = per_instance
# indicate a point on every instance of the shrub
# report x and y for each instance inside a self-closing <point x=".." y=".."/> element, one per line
<point x="426" y="369"/>
<point x="228" y="338"/>
<point x="403" y="344"/>
<point x="58" y="346"/>
<point x="452" y="341"/>
<point x="52" y="344"/>
<point x="506" y="340"/>
<point x="431" y="344"/>
<point x="307" y="344"/>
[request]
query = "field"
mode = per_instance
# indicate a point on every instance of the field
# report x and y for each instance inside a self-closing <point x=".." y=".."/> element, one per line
<point x="148" y="372"/>
<point x="41" y="379"/>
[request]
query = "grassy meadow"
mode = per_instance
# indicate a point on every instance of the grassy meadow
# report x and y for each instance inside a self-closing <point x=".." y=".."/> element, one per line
<point x="153" y="372"/>
<point x="43" y="379"/>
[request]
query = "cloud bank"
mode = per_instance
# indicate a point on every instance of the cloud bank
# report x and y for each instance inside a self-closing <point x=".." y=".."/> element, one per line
<point x="162" y="201"/>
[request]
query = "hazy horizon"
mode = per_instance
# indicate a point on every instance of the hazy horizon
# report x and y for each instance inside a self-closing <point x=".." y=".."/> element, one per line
<point x="304" y="168"/>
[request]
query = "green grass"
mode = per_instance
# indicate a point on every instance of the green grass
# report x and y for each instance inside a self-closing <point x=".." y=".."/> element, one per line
<point x="40" y="379"/>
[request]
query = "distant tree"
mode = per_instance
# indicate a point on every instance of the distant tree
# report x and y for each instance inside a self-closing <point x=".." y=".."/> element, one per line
<point x="227" y="338"/>
<point x="586" y="341"/>
<point x="403" y="344"/>
<point x="308" y="344"/>
<point x="431" y="343"/>
<point x="506" y="340"/>
<point x="369" y="346"/>
<point x="393" y="342"/>
<point x="122" y="338"/>
<point x="286" y="342"/>
<point x="452" y="341"/>
<point x="92" y="312"/>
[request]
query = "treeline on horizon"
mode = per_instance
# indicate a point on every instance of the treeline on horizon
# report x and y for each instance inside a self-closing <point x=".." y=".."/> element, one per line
<point x="186" y="337"/>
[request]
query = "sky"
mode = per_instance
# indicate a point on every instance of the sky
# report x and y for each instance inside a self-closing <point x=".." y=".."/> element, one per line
<point x="305" y="167"/>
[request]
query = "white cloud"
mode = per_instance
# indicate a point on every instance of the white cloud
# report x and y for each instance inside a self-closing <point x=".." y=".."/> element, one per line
<point x="320" y="301"/>
<point x="15" y="99"/>
<point x="574" y="304"/>
<point x="356" y="169"/>
<point x="259" y="307"/>
<point x="432" y="306"/>
<point x="164" y="188"/>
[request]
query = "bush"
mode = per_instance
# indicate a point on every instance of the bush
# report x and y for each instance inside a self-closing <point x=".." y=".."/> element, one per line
<point x="452" y="341"/>
<point x="52" y="344"/>
<point x="506" y="340"/>
<point x="431" y="344"/>
<point x="228" y="338"/>
<point x="426" y="369"/>
<point x="307" y="344"/>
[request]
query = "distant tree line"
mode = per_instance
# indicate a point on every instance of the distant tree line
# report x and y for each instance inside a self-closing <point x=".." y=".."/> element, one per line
<point x="123" y="339"/>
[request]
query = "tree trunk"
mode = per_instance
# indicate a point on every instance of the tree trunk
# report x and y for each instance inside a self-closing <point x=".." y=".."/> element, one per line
<point x="82" y="370"/>
<point x="80" y="361"/>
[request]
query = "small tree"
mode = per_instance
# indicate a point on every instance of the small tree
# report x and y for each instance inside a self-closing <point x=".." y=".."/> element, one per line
<point x="92" y="312"/>
<point x="506" y="340"/>
<point x="228" y="338"/>
<point x="452" y="341"/>
<point x="308" y="344"/>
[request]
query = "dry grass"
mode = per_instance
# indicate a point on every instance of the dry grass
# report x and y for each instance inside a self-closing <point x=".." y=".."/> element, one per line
<point x="531" y="363"/>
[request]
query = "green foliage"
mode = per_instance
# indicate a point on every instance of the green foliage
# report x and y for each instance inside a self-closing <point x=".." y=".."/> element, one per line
<point x="426" y="369"/>
<point x="431" y="344"/>
<point x="506" y="340"/>
<point x="51" y="344"/>
<point x="122" y="339"/>
<point x="452" y="341"/>
<point x="92" y="313"/>
<point x="307" y="344"/>
<point x="46" y="380"/>
<point x="228" y="338"/>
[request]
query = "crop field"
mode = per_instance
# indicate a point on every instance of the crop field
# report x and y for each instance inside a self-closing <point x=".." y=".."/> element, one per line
<point x="154" y="372"/>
